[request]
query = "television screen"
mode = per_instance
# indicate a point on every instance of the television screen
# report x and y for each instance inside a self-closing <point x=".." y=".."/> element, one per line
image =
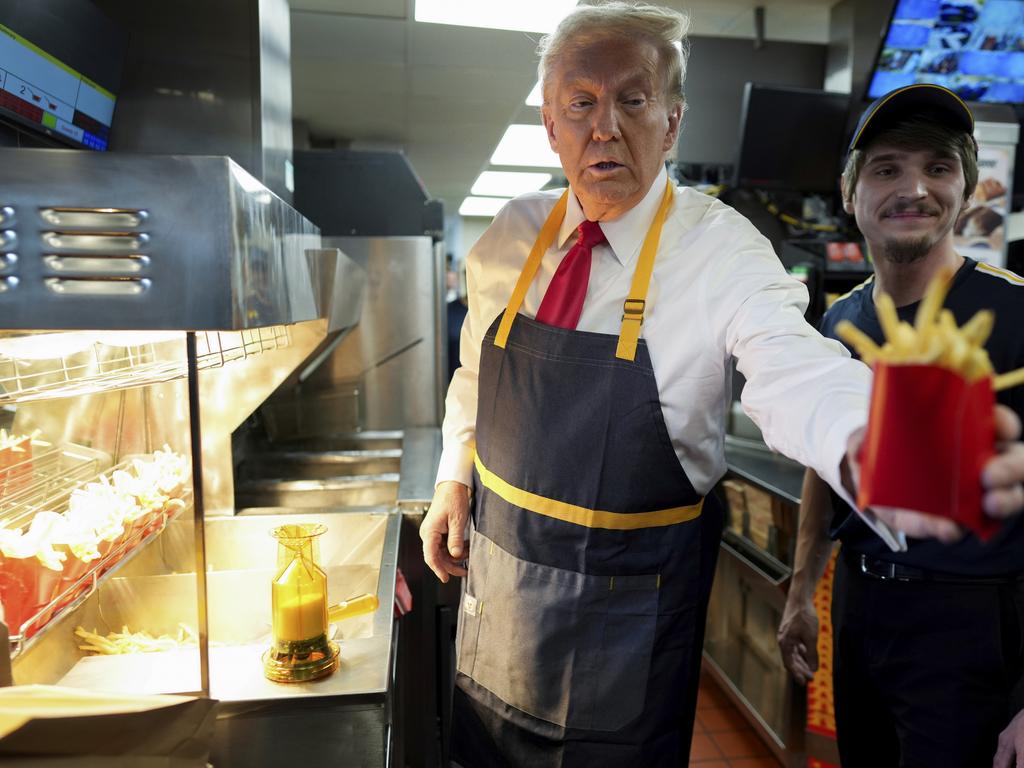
<point x="973" y="47"/>
<point x="791" y="138"/>
<point x="60" y="69"/>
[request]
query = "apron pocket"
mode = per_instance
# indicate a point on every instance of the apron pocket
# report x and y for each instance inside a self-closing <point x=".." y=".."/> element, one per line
<point x="568" y="648"/>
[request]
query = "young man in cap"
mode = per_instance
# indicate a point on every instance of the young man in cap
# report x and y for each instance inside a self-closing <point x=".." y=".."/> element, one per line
<point x="928" y="642"/>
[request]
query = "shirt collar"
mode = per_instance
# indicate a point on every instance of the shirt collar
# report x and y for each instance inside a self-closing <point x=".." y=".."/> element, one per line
<point x="626" y="233"/>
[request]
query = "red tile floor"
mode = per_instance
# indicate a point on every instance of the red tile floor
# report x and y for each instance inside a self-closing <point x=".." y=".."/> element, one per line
<point x="722" y="738"/>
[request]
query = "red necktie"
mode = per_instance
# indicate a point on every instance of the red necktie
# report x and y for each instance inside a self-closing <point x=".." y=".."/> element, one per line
<point x="563" y="302"/>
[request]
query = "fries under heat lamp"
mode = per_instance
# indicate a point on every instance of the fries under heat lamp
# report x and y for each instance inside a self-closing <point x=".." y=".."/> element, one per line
<point x="930" y="428"/>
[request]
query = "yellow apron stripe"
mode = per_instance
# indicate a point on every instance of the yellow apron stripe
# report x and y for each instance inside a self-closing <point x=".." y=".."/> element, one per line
<point x="590" y="518"/>
<point x="547" y="236"/>
<point x="635" y="304"/>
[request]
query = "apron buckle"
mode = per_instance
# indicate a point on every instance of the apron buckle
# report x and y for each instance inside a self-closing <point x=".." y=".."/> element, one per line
<point x="633" y="309"/>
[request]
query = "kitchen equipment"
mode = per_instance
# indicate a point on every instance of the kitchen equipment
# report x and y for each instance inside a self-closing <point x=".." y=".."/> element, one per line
<point x="301" y="650"/>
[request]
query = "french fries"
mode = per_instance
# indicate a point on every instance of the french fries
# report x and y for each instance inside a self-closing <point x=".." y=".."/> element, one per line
<point x="933" y="339"/>
<point x="126" y="641"/>
<point x="1007" y="380"/>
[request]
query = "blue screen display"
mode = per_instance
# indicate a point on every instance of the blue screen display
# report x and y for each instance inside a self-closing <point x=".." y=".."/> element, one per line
<point x="973" y="47"/>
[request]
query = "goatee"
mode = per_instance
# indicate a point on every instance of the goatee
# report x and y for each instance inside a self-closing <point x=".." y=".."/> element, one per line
<point x="905" y="251"/>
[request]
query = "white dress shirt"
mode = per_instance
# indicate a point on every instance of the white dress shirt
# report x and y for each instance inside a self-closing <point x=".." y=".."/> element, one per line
<point x="718" y="291"/>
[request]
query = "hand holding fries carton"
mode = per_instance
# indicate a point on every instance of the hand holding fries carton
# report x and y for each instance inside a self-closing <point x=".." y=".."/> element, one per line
<point x="930" y="427"/>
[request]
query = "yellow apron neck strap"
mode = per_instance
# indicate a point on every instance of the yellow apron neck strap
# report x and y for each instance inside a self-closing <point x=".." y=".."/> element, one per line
<point x="545" y="239"/>
<point x="634" y="306"/>
<point x="636" y="302"/>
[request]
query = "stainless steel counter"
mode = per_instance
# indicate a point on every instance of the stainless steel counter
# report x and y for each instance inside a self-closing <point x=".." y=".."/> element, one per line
<point x="421" y="453"/>
<point x="754" y="461"/>
<point x="366" y="642"/>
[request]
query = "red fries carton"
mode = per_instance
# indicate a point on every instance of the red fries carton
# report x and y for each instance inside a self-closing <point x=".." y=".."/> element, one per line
<point x="929" y="434"/>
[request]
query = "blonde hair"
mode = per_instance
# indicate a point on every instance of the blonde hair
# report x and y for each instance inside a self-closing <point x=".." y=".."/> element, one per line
<point x="664" y="27"/>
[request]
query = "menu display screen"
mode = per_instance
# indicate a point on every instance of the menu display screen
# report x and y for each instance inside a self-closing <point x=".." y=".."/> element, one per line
<point x="973" y="47"/>
<point x="46" y="92"/>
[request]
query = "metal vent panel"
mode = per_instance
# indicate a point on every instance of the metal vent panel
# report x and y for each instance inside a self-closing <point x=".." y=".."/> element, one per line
<point x="147" y="242"/>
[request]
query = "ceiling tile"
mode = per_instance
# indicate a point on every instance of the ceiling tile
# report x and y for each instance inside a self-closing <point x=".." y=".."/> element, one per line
<point x="388" y="8"/>
<point x="391" y="80"/>
<point x="440" y="45"/>
<point x="501" y="88"/>
<point x="380" y="119"/>
<point x="357" y="41"/>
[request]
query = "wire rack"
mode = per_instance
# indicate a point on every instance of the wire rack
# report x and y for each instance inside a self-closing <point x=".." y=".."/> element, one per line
<point x="46" y="479"/>
<point x="214" y="349"/>
<point x="100" y="363"/>
<point x="72" y="594"/>
<point x="55" y="473"/>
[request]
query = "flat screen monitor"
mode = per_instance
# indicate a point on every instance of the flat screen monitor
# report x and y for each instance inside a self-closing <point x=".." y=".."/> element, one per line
<point x="973" y="47"/>
<point x="60" y="69"/>
<point x="791" y="138"/>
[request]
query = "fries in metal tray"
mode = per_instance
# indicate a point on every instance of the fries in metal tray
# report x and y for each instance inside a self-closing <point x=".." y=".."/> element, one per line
<point x="127" y="641"/>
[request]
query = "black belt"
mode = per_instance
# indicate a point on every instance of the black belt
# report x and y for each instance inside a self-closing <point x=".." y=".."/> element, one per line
<point x="888" y="571"/>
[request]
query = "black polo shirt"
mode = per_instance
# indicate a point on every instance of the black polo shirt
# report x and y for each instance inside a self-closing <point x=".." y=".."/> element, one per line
<point x="975" y="286"/>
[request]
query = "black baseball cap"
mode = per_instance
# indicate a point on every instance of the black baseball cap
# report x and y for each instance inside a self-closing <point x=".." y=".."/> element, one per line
<point x="919" y="99"/>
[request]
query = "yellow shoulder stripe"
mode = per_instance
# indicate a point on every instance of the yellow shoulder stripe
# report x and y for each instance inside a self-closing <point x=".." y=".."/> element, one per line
<point x="590" y="518"/>
<point x="1005" y="274"/>
<point x="870" y="279"/>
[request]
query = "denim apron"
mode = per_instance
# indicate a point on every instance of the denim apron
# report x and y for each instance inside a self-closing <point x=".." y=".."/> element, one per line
<point x="591" y="555"/>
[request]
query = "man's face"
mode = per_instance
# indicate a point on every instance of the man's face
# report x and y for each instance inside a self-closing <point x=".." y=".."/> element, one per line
<point x="608" y="119"/>
<point x="906" y="202"/>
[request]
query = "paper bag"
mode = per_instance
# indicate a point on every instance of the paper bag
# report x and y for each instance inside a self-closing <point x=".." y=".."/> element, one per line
<point x="48" y="726"/>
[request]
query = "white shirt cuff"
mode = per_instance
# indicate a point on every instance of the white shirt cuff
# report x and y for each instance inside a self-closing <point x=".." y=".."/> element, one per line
<point x="838" y="436"/>
<point x="456" y="464"/>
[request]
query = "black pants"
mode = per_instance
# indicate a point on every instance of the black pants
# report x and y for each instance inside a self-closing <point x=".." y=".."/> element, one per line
<point x="923" y="671"/>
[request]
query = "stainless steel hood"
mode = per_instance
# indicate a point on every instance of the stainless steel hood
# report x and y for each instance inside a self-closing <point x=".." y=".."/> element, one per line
<point x="148" y="242"/>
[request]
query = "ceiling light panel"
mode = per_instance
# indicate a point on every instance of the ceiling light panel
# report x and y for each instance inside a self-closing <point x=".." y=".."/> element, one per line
<point x="482" y="206"/>
<point x="508" y="183"/>
<point x="525" y="145"/>
<point x="522" y="15"/>
<point x="536" y="98"/>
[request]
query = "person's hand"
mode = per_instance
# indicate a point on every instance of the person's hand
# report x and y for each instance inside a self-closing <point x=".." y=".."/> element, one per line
<point x="798" y="638"/>
<point x="1001" y="477"/>
<point x="1010" y="748"/>
<point x="442" y="530"/>
<point x="1004" y="472"/>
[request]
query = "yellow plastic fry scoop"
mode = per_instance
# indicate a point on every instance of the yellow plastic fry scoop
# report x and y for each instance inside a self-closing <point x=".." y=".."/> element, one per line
<point x="354" y="606"/>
